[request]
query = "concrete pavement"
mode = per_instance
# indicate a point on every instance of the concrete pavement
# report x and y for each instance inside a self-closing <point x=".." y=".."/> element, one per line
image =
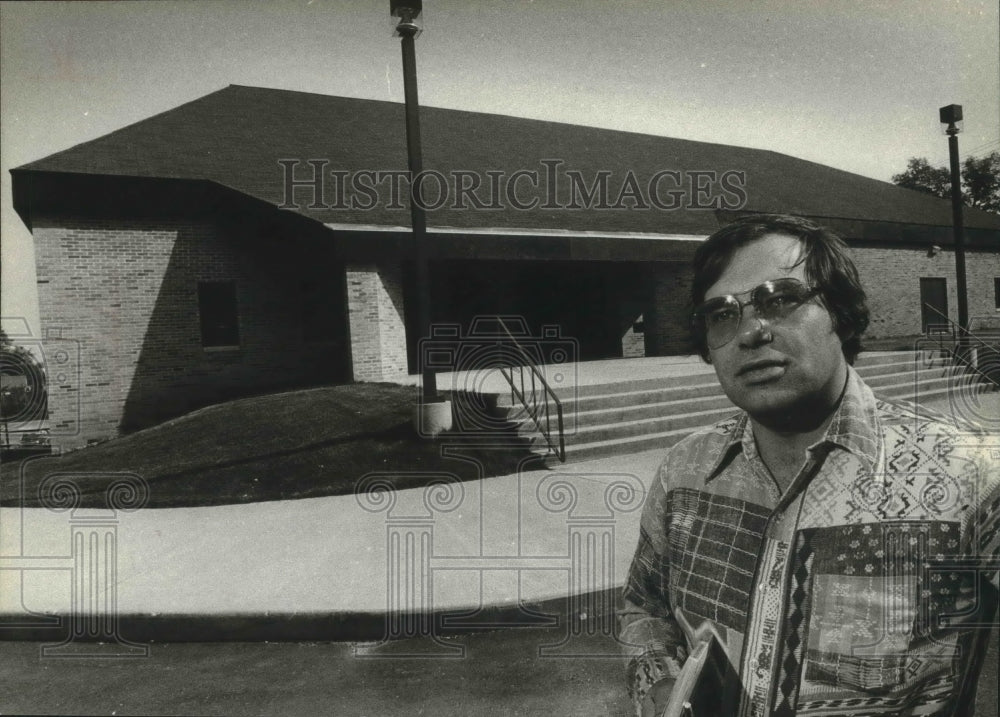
<point x="329" y="568"/>
<point x="346" y="567"/>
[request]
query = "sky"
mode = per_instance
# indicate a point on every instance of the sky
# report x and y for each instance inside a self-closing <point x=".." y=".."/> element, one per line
<point x="853" y="84"/>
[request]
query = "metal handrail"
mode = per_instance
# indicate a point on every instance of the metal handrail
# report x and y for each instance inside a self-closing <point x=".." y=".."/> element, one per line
<point x="959" y="337"/>
<point x="534" y="409"/>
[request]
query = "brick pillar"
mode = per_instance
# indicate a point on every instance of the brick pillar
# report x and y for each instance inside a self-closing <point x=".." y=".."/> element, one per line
<point x="378" y="331"/>
<point x="667" y="328"/>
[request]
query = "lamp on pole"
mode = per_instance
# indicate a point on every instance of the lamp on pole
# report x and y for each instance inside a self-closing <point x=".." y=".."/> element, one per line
<point x="951" y="115"/>
<point x="433" y="415"/>
<point x="408" y="12"/>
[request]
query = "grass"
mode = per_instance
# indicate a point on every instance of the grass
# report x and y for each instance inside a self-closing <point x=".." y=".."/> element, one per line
<point x="302" y="444"/>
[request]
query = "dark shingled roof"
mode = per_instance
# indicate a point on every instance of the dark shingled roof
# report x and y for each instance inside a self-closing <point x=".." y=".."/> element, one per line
<point x="236" y="136"/>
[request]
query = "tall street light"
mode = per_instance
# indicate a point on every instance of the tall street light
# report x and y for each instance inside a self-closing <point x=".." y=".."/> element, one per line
<point x="433" y="415"/>
<point x="408" y="12"/>
<point x="951" y="116"/>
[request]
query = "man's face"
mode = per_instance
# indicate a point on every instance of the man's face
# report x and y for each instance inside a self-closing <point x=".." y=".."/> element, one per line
<point x="784" y="371"/>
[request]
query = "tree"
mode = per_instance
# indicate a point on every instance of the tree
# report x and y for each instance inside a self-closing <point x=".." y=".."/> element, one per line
<point x="920" y="175"/>
<point x="980" y="180"/>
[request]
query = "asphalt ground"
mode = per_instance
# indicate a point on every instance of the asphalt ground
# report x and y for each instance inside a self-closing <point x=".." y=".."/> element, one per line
<point x="499" y="673"/>
<point x="526" y="672"/>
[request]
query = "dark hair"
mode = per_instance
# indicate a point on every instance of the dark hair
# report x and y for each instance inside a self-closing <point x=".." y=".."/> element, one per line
<point x="828" y="266"/>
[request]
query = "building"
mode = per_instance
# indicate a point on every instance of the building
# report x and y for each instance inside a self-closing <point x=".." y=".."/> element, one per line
<point x="257" y="239"/>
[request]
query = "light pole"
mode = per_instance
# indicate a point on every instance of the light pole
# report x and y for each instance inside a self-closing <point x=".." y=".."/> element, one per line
<point x="408" y="12"/>
<point x="433" y="415"/>
<point x="951" y="115"/>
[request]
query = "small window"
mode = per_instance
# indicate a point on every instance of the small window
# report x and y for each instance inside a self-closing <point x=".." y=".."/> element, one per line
<point x="318" y="311"/>
<point x="217" y="309"/>
<point x="996" y="292"/>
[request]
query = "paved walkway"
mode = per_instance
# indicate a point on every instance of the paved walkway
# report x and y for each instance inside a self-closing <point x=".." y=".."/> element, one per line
<point x="335" y="566"/>
<point x="338" y="565"/>
<point x="493" y="544"/>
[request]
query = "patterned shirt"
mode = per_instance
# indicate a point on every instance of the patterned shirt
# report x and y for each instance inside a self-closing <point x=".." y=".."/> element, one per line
<point x="867" y="588"/>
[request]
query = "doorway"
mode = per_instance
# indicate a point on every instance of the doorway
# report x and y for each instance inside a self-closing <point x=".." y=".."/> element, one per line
<point x="933" y="294"/>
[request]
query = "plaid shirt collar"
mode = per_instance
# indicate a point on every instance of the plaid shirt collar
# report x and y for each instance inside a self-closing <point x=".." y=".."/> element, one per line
<point x="854" y="428"/>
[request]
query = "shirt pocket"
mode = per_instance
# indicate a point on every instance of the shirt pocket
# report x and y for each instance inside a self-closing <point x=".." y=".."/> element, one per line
<point x="714" y="543"/>
<point x="875" y="606"/>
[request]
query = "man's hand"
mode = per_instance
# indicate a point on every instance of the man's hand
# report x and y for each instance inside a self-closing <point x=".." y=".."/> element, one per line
<point x="657" y="697"/>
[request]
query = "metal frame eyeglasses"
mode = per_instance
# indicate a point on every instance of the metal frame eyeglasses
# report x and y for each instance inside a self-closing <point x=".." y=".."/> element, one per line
<point x="719" y="318"/>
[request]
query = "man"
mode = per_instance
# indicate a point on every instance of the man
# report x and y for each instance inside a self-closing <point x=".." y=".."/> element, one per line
<point x="838" y="546"/>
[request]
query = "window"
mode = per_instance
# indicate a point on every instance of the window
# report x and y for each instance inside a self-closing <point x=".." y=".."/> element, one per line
<point x="996" y="292"/>
<point x="217" y="309"/>
<point x="318" y="311"/>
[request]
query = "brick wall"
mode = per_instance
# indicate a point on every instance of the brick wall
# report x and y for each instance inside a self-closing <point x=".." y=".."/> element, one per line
<point x="126" y="294"/>
<point x="119" y="308"/>
<point x="892" y="279"/>
<point x="377" y="325"/>
<point x="666" y="322"/>
<point x="890" y="276"/>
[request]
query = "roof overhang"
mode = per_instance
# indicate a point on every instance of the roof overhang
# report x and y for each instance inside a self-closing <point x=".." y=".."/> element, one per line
<point x="504" y="243"/>
<point x="44" y="193"/>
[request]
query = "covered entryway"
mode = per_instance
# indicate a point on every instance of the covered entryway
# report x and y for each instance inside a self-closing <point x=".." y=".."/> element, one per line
<point x="599" y="304"/>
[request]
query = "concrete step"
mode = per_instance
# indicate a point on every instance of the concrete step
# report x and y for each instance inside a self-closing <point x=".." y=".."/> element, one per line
<point x="664" y="439"/>
<point x="623" y="423"/>
<point x="703" y="376"/>
<point x="906" y="387"/>
<point x="695" y="390"/>
<point x="638" y="415"/>
<point x="613" y="396"/>
<point x="657" y="424"/>
<point x="883" y="369"/>
<point x="704" y="383"/>
<point x="913" y="377"/>
<point x="877" y="358"/>
<point x="630" y="444"/>
<point x="634" y="412"/>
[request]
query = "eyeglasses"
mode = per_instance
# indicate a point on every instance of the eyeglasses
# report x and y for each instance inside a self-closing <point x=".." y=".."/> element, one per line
<point x="719" y="319"/>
